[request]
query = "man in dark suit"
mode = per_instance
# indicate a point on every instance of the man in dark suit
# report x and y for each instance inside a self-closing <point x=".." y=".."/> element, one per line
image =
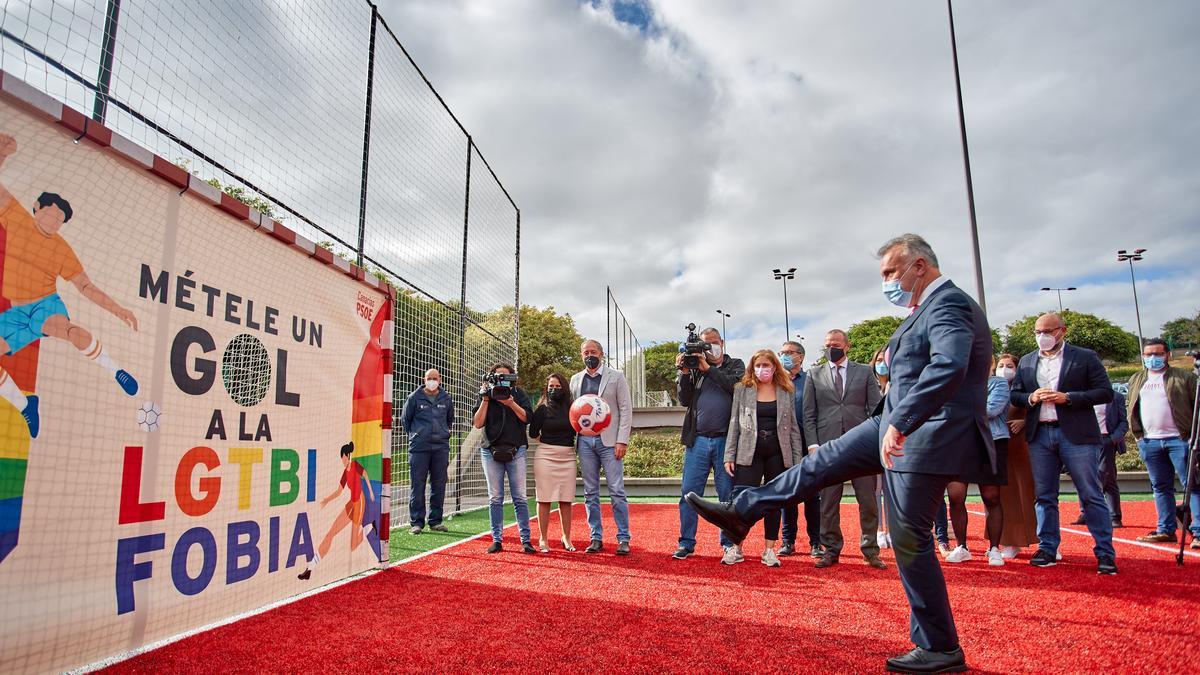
<point x="838" y="396"/>
<point x="1061" y="385"/>
<point x="1114" y="424"/>
<point x="933" y="428"/>
<point x="791" y="356"/>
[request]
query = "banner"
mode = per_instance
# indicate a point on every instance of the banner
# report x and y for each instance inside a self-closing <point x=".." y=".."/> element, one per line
<point x="192" y="399"/>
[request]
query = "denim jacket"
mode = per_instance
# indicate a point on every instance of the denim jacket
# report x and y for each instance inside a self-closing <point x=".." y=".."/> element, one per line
<point x="997" y="407"/>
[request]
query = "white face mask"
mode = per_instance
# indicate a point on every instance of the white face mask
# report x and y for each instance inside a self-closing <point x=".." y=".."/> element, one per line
<point x="432" y="385"/>
<point x="1007" y="372"/>
<point x="715" y="351"/>
<point x="1046" y="342"/>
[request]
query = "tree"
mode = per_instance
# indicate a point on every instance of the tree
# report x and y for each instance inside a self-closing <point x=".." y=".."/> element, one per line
<point x="866" y="337"/>
<point x="1107" y="339"/>
<point x="660" y="368"/>
<point x="1182" y="332"/>
<point x="549" y="342"/>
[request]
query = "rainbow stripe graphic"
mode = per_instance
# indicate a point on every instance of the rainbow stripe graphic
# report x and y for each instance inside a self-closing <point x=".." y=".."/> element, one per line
<point x="370" y="412"/>
<point x="14" y="434"/>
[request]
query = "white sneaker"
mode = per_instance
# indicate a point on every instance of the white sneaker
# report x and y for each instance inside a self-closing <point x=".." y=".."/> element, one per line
<point x="733" y="555"/>
<point x="883" y="540"/>
<point x="995" y="557"/>
<point x="959" y="554"/>
<point x="1010" y="552"/>
<point x="770" y="559"/>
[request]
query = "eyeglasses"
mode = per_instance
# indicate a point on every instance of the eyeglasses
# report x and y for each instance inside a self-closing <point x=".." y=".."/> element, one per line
<point x="790" y="352"/>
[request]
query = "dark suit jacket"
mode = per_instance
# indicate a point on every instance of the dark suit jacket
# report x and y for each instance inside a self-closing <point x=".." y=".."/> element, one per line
<point x="829" y="413"/>
<point x="1116" y="419"/>
<point x="939" y="362"/>
<point x="1082" y="378"/>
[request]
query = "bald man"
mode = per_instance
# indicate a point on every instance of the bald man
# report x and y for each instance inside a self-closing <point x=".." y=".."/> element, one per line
<point x="427" y="419"/>
<point x="1061" y="385"/>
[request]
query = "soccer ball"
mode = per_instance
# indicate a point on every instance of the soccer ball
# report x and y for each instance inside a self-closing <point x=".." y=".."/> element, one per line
<point x="590" y="415"/>
<point x="149" y="416"/>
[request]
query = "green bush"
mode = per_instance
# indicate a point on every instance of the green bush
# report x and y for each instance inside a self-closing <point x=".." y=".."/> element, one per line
<point x="1122" y="373"/>
<point x="656" y="456"/>
<point x="1131" y="460"/>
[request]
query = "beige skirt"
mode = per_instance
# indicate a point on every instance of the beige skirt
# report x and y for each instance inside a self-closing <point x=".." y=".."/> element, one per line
<point x="554" y="473"/>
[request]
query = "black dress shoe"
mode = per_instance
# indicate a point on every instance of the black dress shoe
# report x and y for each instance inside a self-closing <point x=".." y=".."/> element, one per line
<point x="527" y="547"/>
<point x="874" y="561"/>
<point x="496" y="547"/>
<point x="925" y="661"/>
<point x="1106" y="565"/>
<point x="1080" y="520"/>
<point x="1117" y="524"/>
<point x="721" y="514"/>
<point x="622" y="548"/>
<point x="827" y="560"/>
<point x="595" y="547"/>
<point x="788" y="548"/>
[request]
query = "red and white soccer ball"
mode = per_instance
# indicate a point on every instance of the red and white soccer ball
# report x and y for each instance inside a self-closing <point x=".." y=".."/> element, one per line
<point x="590" y="415"/>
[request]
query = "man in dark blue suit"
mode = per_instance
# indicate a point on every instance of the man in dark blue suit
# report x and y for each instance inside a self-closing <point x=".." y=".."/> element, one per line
<point x="933" y="427"/>
<point x="791" y="356"/>
<point x="1061" y="384"/>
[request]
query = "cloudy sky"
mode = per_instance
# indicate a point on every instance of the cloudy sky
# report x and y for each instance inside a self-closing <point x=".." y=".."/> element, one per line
<point x="679" y="150"/>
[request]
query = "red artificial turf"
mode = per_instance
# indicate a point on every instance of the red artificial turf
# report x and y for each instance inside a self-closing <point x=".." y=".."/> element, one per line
<point x="462" y="610"/>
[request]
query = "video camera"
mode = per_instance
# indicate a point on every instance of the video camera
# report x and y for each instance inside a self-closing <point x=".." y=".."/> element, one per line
<point x="693" y="348"/>
<point x="500" y="385"/>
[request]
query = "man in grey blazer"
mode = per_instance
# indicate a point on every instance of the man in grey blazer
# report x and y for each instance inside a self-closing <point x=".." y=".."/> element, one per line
<point x="606" y="450"/>
<point x="838" y="396"/>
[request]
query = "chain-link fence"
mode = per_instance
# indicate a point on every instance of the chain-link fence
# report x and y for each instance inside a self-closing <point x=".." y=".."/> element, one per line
<point x="314" y="113"/>
<point x="624" y="351"/>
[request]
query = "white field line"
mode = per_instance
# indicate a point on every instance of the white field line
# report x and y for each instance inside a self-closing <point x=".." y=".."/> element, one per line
<point x="1085" y="533"/>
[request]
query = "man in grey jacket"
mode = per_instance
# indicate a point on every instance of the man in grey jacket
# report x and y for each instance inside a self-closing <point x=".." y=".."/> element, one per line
<point x="838" y="396"/>
<point x="606" y="450"/>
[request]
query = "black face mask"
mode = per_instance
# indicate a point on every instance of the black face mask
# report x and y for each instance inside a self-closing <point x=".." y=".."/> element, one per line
<point x="592" y="362"/>
<point x="836" y="354"/>
<point x="554" y="394"/>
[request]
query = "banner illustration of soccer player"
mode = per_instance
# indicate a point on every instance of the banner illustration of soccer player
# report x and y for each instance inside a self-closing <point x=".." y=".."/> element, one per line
<point x="35" y="256"/>
<point x="352" y="514"/>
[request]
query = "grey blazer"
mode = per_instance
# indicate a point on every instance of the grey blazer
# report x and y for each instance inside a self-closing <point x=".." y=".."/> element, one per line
<point x="743" y="426"/>
<point x="614" y="389"/>
<point x="828" y="413"/>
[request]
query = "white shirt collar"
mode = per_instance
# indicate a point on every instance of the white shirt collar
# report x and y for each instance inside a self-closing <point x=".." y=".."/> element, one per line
<point x="937" y="283"/>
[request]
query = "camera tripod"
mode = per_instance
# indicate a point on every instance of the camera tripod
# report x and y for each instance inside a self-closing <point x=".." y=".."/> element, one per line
<point x="1191" y="481"/>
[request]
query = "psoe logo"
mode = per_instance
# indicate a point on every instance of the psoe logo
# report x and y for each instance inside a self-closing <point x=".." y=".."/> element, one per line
<point x="365" y="306"/>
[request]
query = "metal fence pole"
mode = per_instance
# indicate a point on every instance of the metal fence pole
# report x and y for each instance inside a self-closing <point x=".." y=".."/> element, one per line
<point x="517" y="299"/>
<point x="107" y="49"/>
<point x="462" y="324"/>
<point x="362" y="200"/>
<point x="608" y="323"/>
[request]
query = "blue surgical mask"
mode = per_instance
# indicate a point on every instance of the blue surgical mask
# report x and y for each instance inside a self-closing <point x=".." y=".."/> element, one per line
<point x="1154" y="362"/>
<point x="786" y="361"/>
<point x="881" y="368"/>
<point x="894" y="293"/>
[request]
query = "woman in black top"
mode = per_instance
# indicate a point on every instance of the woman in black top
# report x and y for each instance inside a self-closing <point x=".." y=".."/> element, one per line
<point x="554" y="462"/>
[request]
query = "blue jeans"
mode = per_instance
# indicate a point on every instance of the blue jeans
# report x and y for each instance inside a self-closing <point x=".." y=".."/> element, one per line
<point x="495" y="472"/>
<point x="1165" y="459"/>
<point x="706" y="454"/>
<point x="594" y="455"/>
<point x="1049" y="450"/>
<point x="431" y="464"/>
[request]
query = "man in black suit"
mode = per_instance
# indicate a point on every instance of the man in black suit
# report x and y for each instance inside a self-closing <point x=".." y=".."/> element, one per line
<point x="1061" y="385"/>
<point x="933" y="428"/>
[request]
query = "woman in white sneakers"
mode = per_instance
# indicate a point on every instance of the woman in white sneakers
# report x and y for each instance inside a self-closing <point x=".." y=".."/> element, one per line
<point x="764" y="439"/>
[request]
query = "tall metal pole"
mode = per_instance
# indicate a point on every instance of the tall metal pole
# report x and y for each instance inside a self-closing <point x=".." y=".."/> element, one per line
<point x="962" y="129"/>
<point x="108" y="47"/>
<point x="1137" y="312"/>
<point x="1059" y="291"/>
<point x="462" y="325"/>
<point x="787" y="326"/>
<point x="366" y="158"/>
<point x="607" y="322"/>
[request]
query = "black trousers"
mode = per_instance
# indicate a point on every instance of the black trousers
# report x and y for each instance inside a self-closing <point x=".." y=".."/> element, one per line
<point x="812" y="520"/>
<point x="911" y="499"/>
<point x="1108" y="476"/>
<point x="766" y="464"/>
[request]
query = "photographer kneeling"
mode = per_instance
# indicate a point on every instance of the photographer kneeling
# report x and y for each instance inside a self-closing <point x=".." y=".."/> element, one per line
<point x="706" y="379"/>
<point x="503" y="413"/>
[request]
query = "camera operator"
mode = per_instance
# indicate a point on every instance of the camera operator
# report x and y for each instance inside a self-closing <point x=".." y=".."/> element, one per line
<point x="707" y="391"/>
<point x="503" y="414"/>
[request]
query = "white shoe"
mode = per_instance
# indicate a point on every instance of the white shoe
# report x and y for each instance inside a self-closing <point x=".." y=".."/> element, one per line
<point x="1010" y="552"/>
<point x="733" y="555"/>
<point x="959" y="554"/>
<point x="943" y="550"/>
<point x="995" y="557"/>
<point x="770" y="559"/>
<point x="883" y="540"/>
